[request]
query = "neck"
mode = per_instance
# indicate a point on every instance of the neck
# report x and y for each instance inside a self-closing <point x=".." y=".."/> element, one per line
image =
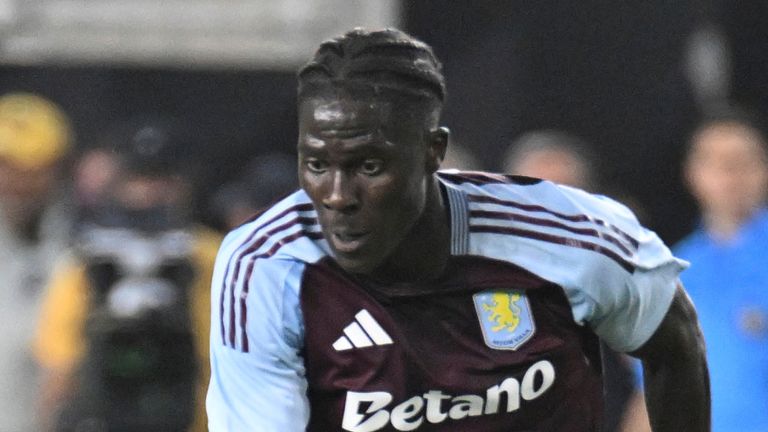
<point x="724" y="226"/>
<point x="424" y="255"/>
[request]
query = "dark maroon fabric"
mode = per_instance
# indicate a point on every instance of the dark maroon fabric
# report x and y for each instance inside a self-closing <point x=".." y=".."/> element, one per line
<point x="438" y="345"/>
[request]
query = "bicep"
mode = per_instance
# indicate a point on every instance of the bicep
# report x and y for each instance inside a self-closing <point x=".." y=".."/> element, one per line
<point x="675" y="371"/>
<point x="625" y="304"/>
<point x="678" y="336"/>
<point x="631" y="310"/>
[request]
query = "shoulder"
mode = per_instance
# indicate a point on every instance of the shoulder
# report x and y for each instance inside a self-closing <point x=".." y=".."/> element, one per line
<point x="760" y="230"/>
<point x="693" y="244"/>
<point x="286" y="233"/>
<point x="258" y="271"/>
<point x="520" y="212"/>
<point x="535" y="195"/>
<point x="287" y="230"/>
<point x="617" y="275"/>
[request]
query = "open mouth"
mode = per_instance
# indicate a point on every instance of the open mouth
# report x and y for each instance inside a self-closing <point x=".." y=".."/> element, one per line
<point x="348" y="242"/>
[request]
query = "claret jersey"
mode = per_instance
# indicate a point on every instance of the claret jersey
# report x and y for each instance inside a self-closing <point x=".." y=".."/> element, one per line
<point x="505" y="340"/>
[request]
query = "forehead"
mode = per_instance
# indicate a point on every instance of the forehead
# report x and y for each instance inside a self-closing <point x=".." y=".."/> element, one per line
<point x="343" y="112"/>
<point x="728" y="139"/>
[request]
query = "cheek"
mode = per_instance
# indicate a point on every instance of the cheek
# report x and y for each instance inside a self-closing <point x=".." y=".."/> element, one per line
<point x="756" y="182"/>
<point x="400" y="202"/>
<point x="310" y="184"/>
<point x="713" y="187"/>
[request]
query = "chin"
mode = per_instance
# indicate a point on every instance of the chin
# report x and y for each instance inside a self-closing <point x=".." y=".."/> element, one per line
<point x="356" y="265"/>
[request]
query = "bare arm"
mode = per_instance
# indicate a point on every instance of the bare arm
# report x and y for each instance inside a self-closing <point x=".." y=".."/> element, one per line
<point x="675" y="371"/>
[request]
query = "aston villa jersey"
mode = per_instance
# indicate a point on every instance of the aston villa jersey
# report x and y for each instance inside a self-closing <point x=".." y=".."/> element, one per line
<point x="505" y="340"/>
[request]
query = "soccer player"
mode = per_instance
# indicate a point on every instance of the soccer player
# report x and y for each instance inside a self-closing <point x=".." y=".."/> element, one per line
<point x="386" y="295"/>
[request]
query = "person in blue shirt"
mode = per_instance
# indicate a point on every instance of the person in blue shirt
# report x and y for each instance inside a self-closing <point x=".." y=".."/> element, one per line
<point x="727" y="171"/>
<point x="387" y="295"/>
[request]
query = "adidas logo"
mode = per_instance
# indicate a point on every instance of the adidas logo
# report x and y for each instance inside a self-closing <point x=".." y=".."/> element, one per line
<point x="363" y="332"/>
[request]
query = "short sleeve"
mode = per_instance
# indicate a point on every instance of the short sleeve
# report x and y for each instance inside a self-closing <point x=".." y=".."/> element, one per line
<point x="625" y="307"/>
<point x="257" y="374"/>
<point x="618" y="277"/>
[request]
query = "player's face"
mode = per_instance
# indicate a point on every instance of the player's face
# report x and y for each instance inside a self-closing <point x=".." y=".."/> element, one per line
<point x="363" y="166"/>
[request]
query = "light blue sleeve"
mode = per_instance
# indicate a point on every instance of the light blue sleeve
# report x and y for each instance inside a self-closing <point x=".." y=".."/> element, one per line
<point x="258" y="385"/>
<point x="627" y="317"/>
<point x="618" y="277"/>
<point x="625" y="308"/>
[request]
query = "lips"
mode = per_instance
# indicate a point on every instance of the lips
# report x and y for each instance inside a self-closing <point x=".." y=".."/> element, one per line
<point x="349" y="242"/>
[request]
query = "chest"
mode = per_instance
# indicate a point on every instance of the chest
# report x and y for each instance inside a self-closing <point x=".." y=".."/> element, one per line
<point x="490" y="343"/>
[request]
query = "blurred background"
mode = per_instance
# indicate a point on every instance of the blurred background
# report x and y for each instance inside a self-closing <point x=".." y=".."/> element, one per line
<point x="629" y="77"/>
<point x="628" y="81"/>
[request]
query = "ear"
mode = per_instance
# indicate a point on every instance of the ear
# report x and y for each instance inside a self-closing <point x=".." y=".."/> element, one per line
<point x="437" y="142"/>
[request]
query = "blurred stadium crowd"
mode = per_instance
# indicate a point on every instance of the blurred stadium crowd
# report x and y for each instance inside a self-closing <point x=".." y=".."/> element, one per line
<point x="117" y="181"/>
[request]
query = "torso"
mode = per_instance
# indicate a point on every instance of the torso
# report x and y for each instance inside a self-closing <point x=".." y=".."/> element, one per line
<point x="452" y="355"/>
<point x="506" y="340"/>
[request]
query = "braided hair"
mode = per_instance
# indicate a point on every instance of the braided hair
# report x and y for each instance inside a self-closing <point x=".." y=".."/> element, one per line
<point x="387" y="63"/>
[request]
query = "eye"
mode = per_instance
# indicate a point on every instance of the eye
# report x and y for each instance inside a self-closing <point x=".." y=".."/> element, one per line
<point x="316" y="166"/>
<point x="372" y="167"/>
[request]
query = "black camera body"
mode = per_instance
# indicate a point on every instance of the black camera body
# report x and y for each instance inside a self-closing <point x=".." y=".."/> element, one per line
<point x="140" y="368"/>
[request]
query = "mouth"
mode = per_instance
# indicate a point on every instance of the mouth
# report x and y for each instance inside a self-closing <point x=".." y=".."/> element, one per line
<point x="349" y="242"/>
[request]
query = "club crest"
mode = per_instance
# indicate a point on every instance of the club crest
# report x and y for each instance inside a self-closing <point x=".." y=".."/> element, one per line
<point x="505" y="318"/>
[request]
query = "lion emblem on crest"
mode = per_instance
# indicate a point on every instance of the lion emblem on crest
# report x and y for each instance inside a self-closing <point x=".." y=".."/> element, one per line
<point x="505" y="318"/>
<point x="503" y="311"/>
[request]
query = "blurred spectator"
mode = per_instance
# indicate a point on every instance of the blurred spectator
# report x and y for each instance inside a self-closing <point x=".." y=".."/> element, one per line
<point x="35" y="137"/>
<point x="459" y="156"/>
<point x="123" y="334"/>
<point x="264" y="180"/>
<point x="552" y="155"/>
<point x="94" y="170"/>
<point x="727" y="172"/>
<point x="566" y="159"/>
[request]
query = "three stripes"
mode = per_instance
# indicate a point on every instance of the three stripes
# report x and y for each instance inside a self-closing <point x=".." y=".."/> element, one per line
<point x="249" y="252"/>
<point x="362" y="333"/>
<point x="619" y="246"/>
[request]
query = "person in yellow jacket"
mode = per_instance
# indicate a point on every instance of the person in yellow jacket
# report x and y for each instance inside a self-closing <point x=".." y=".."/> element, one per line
<point x="146" y="192"/>
<point x="36" y="139"/>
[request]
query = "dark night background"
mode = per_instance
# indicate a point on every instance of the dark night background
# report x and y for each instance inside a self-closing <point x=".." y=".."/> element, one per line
<point x="611" y="72"/>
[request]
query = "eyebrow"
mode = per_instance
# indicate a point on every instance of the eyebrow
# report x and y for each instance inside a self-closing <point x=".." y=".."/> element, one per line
<point x="366" y="143"/>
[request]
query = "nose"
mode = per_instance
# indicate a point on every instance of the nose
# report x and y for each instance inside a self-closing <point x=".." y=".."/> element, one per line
<point x="342" y="196"/>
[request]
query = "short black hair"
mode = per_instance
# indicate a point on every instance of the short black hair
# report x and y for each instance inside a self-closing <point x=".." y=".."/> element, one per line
<point x="383" y="62"/>
<point x="731" y="114"/>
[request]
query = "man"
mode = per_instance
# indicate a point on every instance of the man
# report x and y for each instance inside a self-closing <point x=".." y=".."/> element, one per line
<point x="138" y="278"/>
<point x="35" y="139"/>
<point x="387" y="296"/>
<point x="727" y="172"/>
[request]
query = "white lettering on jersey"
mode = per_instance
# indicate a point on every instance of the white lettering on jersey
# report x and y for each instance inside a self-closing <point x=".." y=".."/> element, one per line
<point x="431" y="406"/>
<point x="354" y="421"/>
